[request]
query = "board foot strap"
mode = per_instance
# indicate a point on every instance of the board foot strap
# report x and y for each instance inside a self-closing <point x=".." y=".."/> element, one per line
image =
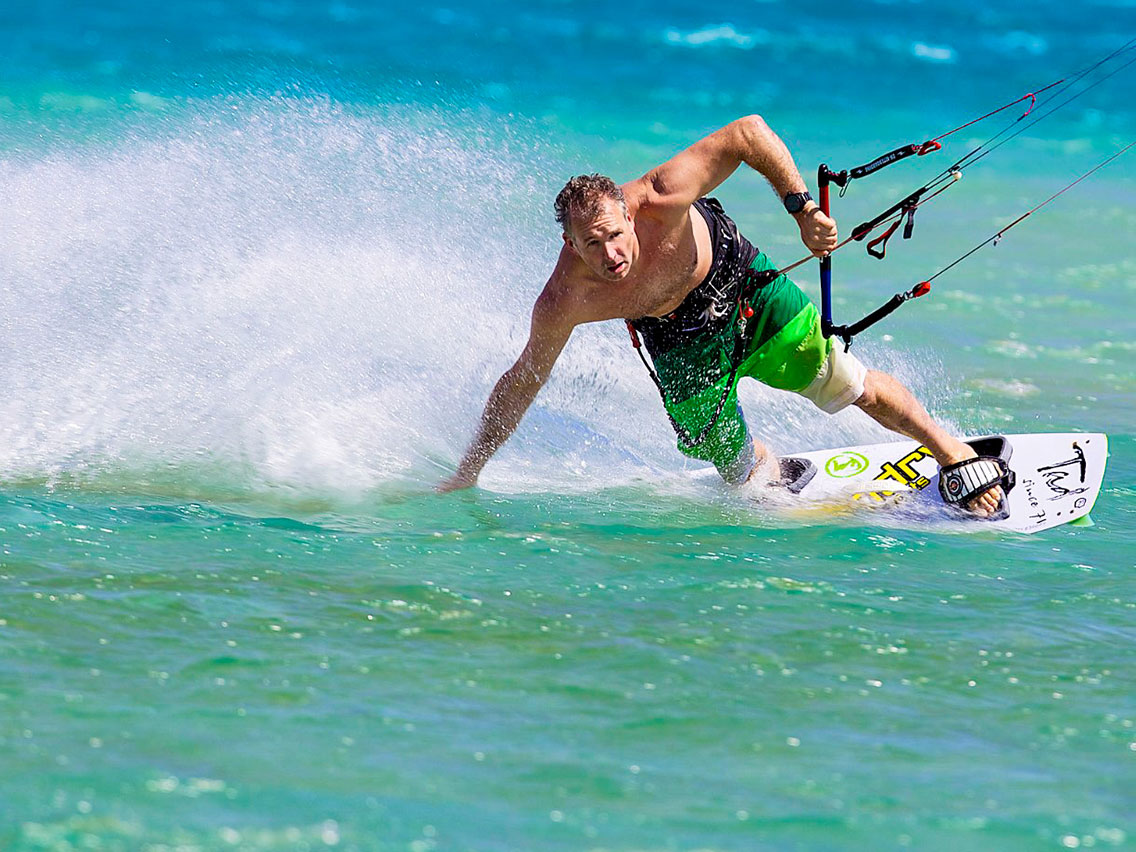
<point x="961" y="482"/>
<point x="796" y="473"/>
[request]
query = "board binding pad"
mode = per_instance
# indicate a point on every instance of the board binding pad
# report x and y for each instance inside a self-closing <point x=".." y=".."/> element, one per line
<point x="1058" y="477"/>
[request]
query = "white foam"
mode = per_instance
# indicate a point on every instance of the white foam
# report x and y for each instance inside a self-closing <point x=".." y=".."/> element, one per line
<point x="314" y="298"/>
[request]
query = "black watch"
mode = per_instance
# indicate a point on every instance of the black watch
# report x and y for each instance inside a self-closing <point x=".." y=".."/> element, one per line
<point x="795" y="201"/>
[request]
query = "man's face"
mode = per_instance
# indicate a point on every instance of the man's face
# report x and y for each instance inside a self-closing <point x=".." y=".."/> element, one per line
<point x="606" y="242"/>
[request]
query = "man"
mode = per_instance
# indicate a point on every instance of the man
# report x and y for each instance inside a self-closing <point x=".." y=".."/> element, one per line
<point x="655" y="251"/>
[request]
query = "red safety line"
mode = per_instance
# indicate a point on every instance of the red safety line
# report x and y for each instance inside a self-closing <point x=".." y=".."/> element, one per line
<point x="1030" y="96"/>
<point x="998" y="235"/>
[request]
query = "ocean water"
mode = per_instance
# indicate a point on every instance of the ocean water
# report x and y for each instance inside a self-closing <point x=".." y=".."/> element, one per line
<point x="262" y="262"/>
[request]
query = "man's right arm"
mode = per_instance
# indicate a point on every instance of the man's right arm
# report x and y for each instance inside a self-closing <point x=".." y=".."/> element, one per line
<point x="703" y="166"/>
<point x="515" y="390"/>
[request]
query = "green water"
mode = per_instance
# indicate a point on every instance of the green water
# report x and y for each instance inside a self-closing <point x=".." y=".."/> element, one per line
<point x="260" y="266"/>
<point x="613" y="671"/>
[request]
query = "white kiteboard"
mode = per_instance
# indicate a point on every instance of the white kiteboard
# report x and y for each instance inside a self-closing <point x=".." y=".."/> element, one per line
<point x="1057" y="478"/>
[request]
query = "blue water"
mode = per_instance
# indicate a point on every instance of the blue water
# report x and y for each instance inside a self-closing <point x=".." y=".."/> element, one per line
<point x="260" y="265"/>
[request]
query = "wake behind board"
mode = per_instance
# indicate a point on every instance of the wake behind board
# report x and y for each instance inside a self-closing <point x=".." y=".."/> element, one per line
<point x="1058" y="478"/>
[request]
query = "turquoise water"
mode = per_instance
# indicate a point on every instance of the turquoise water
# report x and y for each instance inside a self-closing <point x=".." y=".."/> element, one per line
<point x="261" y="264"/>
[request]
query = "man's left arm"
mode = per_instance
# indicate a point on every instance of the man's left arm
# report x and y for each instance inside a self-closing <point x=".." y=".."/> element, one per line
<point x="708" y="162"/>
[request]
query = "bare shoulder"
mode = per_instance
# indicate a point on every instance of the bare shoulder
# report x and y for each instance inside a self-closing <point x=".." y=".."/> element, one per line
<point x="648" y="198"/>
<point x="694" y="172"/>
<point x="656" y="209"/>
<point x="573" y="296"/>
<point x="560" y="304"/>
<point x="644" y="194"/>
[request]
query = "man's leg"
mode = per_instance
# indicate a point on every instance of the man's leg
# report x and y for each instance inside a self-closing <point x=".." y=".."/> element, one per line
<point x="892" y="405"/>
<point x="713" y="429"/>
<point x="789" y="344"/>
<point x="766" y="468"/>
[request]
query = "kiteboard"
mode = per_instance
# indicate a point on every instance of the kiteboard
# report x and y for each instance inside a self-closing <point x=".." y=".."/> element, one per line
<point x="1056" y="478"/>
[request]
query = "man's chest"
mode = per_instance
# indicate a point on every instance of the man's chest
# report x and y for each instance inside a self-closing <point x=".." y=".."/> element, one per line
<point x="672" y="263"/>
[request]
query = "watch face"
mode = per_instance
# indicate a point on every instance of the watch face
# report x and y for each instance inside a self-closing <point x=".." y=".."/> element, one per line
<point x="796" y="201"/>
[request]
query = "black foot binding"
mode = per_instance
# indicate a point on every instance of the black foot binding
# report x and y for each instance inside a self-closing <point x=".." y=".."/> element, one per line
<point x="796" y="473"/>
<point x="961" y="482"/>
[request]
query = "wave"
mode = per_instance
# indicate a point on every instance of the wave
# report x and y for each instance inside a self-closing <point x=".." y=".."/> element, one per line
<point x="289" y="293"/>
<point x="716" y="35"/>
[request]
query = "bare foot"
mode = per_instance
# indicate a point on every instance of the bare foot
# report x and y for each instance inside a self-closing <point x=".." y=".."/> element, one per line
<point x="765" y="470"/>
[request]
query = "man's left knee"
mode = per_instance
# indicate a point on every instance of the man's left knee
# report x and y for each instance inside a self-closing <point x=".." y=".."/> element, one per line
<point x="870" y="394"/>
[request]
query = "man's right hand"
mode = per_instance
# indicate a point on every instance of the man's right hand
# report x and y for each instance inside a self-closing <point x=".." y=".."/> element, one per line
<point x="456" y="482"/>
<point x="514" y="391"/>
<point x="818" y="231"/>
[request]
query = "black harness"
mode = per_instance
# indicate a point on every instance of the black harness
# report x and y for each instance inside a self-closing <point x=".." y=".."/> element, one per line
<point x="723" y="298"/>
<point x="708" y="309"/>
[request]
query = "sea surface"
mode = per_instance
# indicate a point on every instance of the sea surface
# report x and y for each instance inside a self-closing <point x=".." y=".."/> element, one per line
<point x="261" y="264"/>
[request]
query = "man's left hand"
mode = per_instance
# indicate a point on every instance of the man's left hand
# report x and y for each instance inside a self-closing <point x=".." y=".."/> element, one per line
<point x="818" y="231"/>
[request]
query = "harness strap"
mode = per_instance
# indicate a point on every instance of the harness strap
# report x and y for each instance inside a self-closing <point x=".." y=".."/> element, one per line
<point x="745" y="313"/>
<point x="683" y="434"/>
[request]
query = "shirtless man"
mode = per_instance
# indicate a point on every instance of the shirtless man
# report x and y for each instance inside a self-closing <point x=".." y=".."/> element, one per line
<point x="655" y="251"/>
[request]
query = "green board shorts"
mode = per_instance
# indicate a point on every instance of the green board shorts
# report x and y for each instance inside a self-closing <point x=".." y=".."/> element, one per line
<point x="784" y="349"/>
